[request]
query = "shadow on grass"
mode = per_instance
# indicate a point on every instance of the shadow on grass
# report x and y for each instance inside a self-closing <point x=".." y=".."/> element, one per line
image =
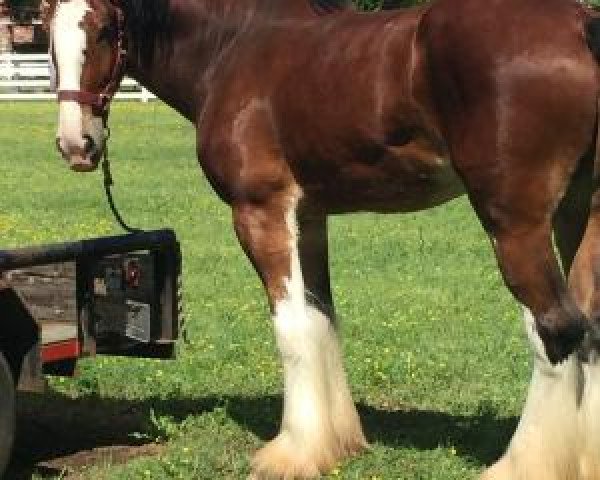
<point x="482" y="437"/>
<point x="57" y="433"/>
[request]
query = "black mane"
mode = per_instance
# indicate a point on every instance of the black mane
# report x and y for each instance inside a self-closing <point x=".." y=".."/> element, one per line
<point x="330" y="5"/>
<point x="149" y="20"/>
<point x="146" y="21"/>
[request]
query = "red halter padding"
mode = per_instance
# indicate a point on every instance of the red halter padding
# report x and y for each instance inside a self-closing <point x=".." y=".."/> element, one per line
<point x="100" y="101"/>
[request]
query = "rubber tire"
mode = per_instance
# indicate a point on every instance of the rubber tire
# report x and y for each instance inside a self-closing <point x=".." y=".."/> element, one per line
<point x="7" y="413"/>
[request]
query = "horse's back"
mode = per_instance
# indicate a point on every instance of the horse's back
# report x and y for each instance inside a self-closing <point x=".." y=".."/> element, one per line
<point x="469" y="39"/>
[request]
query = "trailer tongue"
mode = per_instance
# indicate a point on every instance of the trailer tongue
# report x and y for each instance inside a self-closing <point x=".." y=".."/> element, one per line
<point x="94" y="248"/>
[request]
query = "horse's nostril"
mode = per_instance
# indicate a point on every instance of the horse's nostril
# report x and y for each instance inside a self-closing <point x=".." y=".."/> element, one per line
<point x="59" y="147"/>
<point x="89" y="144"/>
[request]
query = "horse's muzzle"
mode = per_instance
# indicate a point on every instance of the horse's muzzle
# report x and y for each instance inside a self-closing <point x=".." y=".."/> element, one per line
<point x="82" y="164"/>
<point x="84" y="159"/>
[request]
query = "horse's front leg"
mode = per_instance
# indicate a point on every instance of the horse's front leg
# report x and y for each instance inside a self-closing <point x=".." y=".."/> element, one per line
<point x="320" y="424"/>
<point x="314" y="260"/>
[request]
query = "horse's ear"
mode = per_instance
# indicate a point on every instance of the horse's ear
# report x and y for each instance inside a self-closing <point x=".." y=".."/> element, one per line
<point x="47" y="8"/>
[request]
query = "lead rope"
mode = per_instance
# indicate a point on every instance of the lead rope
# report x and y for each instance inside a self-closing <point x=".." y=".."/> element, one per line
<point x="108" y="183"/>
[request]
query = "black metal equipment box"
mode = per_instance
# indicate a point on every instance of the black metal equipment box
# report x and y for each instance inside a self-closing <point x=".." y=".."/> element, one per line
<point x="133" y="301"/>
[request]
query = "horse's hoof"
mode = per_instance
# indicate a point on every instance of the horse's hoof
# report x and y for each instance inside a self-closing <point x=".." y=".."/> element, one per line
<point x="560" y="342"/>
<point x="282" y="459"/>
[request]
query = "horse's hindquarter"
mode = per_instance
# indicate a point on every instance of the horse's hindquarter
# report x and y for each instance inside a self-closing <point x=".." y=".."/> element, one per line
<point x="337" y="102"/>
<point x="516" y="105"/>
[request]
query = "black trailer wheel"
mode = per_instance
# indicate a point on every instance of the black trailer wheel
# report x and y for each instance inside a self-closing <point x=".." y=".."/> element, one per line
<point x="7" y="413"/>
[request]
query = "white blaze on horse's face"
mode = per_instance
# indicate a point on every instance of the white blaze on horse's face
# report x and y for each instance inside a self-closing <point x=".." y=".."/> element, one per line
<point x="80" y="136"/>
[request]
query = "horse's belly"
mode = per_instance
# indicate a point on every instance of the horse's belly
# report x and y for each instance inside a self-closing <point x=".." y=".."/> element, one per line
<point x="396" y="184"/>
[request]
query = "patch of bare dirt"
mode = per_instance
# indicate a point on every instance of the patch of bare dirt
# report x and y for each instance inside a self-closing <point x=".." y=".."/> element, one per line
<point x="70" y="466"/>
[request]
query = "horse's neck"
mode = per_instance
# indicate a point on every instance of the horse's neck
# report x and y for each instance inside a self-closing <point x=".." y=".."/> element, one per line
<point x="202" y="30"/>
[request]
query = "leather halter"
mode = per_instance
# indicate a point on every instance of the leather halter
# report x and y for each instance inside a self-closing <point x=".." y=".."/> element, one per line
<point x="100" y="101"/>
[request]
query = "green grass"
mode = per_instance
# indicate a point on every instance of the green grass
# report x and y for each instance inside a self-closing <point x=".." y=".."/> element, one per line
<point x="433" y="342"/>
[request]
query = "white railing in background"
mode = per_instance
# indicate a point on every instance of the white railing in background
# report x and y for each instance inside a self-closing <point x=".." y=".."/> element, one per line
<point x="27" y="77"/>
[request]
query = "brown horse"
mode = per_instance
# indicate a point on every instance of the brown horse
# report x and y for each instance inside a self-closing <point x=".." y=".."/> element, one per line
<point x="305" y="109"/>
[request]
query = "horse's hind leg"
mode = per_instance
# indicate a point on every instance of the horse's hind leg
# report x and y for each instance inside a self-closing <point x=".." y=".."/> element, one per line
<point x="312" y="438"/>
<point x="557" y="437"/>
<point x="523" y="246"/>
<point x="584" y="277"/>
<point x="584" y="283"/>
<point x="516" y="191"/>
<point x="516" y="130"/>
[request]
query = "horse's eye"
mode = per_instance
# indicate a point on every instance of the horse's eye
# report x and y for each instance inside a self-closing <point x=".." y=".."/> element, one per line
<point x="106" y="34"/>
